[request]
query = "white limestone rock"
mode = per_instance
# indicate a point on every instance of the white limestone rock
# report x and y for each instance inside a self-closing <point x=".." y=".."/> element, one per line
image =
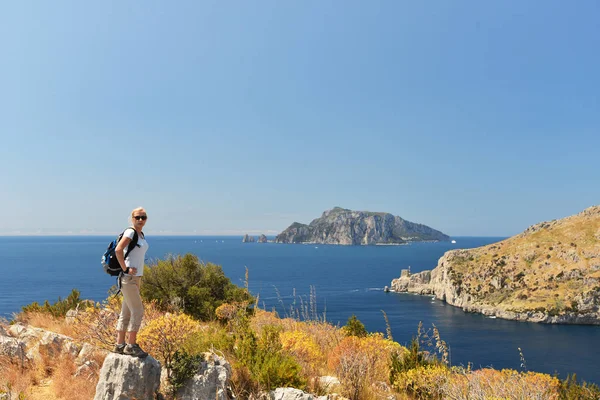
<point x="210" y="382"/>
<point x="12" y="347"/>
<point x="125" y="377"/>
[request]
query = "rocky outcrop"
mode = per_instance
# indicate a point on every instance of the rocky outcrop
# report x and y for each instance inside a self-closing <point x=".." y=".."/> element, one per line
<point x="293" y="394"/>
<point x="35" y="342"/>
<point x="210" y="382"/>
<point x="262" y="239"/>
<point x="342" y="226"/>
<point x="550" y="273"/>
<point x="247" y="239"/>
<point x="27" y="345"/>
<point x="125" y="377"/>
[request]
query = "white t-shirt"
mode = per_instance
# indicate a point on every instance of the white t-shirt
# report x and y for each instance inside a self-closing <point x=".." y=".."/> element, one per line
<point x="136" y="256"/>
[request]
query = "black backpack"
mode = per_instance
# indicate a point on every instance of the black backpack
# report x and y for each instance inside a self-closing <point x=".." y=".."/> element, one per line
<point x="109" y="259"/>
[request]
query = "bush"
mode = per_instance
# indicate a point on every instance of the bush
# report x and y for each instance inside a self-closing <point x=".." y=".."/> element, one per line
<point x="423" y="382"/>
<point x="269" y="367"/>
<point x="412" y="359"/>
<point x="183" y="367"/>
<point x="354" y="327"/>
<point x="301" y="345"/>
<point x="358" y="362"/>
<point x="488" y="383"/>
<point x="187" y="284"/>
<point x="58" y="309"/>
<point x="213" y="337"/>
<point x="569" y="389"/>
<point x="163" y="336"/>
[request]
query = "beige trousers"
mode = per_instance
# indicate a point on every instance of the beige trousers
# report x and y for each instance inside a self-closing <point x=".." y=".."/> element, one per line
<point x="132" y="309"/>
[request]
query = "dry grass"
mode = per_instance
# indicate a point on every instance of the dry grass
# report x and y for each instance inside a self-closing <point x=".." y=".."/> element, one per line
<point x="545" y="267"/>
<point x="16" y="380"/>
<point x="47" y="322"/>
<point x="69" y="387"/>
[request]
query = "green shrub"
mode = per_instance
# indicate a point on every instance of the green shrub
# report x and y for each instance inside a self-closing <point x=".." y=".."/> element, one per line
<point x="411" y="360"/>
<point x="354" y="327"/>
<point x="183" y="367"/>
<point x="212" y="338"/>
<point x="269" y="367"/>
<point x="187" y="284"/>
<point x="59" y="308"/>
<point x="570" y="389"/>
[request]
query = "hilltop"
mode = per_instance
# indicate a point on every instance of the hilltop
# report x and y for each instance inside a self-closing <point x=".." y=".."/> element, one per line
<point x="343" y="226"/>
<point x="549" y="273"/>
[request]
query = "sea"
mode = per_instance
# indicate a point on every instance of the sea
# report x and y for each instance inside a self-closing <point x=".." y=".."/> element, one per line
<point x="341" y="281"/>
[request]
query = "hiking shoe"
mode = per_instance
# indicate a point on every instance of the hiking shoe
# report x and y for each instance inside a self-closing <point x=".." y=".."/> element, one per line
<point x="119" y="348"/>
<point x="134" y="350"/>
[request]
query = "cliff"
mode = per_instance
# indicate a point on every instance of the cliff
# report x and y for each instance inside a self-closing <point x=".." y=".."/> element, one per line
<point x="550" y="273"/>
<point x="342" y="226"/>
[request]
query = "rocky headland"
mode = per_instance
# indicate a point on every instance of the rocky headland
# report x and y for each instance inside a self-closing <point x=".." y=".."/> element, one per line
<point x="347" y="227"/>
<point x="550" y="273"/>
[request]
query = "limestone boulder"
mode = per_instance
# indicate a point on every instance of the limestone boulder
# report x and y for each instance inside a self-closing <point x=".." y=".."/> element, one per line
<point x="292" y="394"/>
<point x="210" y="382"/>
<point x="124" y="377"/>
<point x="12" y="347"/>
<point x="55" y="345"/>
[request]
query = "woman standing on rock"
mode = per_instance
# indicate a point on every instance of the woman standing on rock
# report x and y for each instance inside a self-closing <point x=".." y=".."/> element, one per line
<point x="132" y="310"/>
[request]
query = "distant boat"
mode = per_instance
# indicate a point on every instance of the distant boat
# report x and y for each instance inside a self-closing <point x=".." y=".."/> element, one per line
<point x="454" y="241"/>
<point x="492" y="317"/>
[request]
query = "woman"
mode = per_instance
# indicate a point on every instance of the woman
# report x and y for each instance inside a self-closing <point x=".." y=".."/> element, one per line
<point x="132" y="309"/>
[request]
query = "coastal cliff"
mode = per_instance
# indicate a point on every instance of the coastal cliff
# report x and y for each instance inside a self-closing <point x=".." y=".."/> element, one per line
<point x="550" y="273"/>
<point x="343" y="226"/>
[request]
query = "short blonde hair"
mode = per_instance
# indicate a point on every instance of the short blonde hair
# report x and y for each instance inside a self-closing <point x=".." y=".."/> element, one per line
<point x="133" y="212"/>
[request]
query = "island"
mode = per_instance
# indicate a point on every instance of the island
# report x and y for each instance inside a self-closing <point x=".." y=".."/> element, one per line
<point x="347" y="227"/>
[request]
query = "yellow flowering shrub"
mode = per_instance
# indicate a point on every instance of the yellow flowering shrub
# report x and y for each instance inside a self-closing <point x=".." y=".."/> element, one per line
<point x="361" y="361"/>
<point x="423" y="382"/>
<point x="163" y="336"/>
<point x="303" y="348"/>
<point x="505" y="384"/>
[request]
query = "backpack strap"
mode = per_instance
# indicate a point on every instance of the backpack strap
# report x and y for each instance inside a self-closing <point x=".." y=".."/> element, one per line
<point x="130" y="247"/>
<point x="133" y="242"/>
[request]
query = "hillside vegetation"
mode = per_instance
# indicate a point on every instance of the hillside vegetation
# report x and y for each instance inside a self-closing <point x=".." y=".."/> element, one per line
<point x="553" y="267"/>
<point x="266" y="350"/>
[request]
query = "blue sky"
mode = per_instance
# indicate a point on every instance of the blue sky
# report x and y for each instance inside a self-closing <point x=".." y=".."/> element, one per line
<point x="475" y="118"/>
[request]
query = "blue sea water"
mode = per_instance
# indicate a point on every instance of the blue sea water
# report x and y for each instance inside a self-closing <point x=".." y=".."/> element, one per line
<point x="347" y="280"/>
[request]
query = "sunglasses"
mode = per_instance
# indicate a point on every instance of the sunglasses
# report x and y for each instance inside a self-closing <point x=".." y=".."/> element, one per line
<point x="142" y="217"/>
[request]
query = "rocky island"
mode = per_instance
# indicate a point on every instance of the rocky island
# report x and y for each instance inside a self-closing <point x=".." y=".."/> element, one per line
<point x="550" y="273"/>
<point x="248" y="239"/>
<point x="347" y="227"/>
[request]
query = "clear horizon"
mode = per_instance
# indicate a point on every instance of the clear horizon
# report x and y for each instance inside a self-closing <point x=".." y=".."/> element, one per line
<point x="473" y="118"/>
